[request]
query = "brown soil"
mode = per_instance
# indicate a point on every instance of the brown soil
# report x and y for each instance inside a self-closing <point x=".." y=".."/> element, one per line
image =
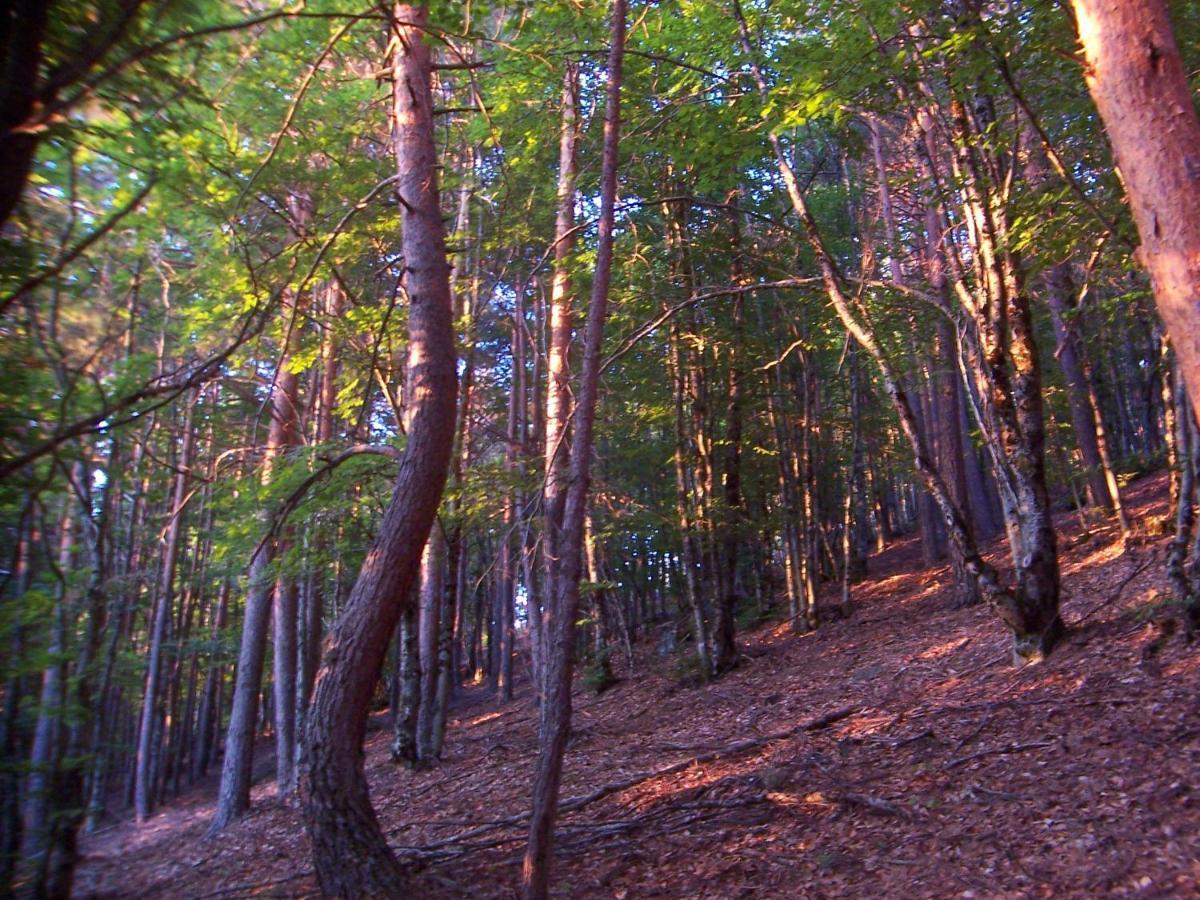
<point x="946" y="773"/>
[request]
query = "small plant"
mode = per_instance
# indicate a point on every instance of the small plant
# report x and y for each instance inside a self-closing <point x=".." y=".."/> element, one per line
<point x="688" y="672"/>
<point x="599" y="675"/>
<point x="1160" y="604"/>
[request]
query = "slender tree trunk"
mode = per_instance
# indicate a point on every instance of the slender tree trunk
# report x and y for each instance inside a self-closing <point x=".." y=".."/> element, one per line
<point x="1034" y="619"/>
<point x="689" y="551"/>
<point x="314" y="601"/>
<point x="563" y="600"/>
<point x="725" y="651"/>
<point x="350" y="850"/>
<point x="558" y="367"/>
<point x="447" y="673"/>
<point x="45" y="749"/>
<point x="233" y="798"/>
<point x="143" y="791"/>
<point x="431" y="598"/>
<point x="209" y="719"/>
<point x="406" y="697"/>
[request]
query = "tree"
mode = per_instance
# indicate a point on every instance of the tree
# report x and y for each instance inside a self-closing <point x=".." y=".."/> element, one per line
<point x="1137" y="79"/>
<point x="558" y="627"/>
<point x="350" y="851"/>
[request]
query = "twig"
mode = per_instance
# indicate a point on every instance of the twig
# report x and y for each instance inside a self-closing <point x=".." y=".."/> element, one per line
<point x="1011" y="748"/>
<point x="254" y="888"/>
<point x="872" y="804"/>
<point x="974" y="734"/>
<point x="1116" y="594"/>
<point x="614" y="787"/>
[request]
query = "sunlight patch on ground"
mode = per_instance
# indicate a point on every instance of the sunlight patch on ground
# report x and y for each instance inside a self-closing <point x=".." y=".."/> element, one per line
<point x="486" y="717"/>
<point x="1187" y="665"/>
<point x="867" y="724"/>
<point x="1102" y="554"/>
<point x="939" y="651"/>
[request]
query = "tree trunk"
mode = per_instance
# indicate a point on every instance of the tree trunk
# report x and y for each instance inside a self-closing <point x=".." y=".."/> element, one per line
<point x="233" y="798"/>
<point x="563" y="598"/>
<point x="1136" y="76"/>
<point x="406" y="696"/>
<point x="1034" y="620"/>
<point x="45" y="749"/>
<point x="725" y="651"/>
<point x="143" y="796"/>
<point x="429" y="616"/>
<point x="350" y="851"/>
<point x="558" y="366"/>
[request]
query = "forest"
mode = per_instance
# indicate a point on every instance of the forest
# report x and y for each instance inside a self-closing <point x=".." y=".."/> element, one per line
<point x="622" y="449"/>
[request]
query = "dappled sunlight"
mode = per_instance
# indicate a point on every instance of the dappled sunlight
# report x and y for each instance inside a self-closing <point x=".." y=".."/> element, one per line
<point x="945" y="756"/>
<point x="1101" y="553"/>
<point x="483" y="719"/>
<point x="940" y="651"/>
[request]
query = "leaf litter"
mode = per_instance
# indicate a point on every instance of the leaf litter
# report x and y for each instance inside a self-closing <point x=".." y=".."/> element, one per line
<point x="895" y="753"/>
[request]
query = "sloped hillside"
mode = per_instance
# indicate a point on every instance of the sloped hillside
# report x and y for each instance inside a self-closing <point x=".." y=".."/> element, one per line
<point x="895" y="753"/>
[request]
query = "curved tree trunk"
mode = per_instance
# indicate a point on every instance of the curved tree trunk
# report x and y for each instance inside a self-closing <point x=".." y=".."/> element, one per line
<point x="350" y="851"/>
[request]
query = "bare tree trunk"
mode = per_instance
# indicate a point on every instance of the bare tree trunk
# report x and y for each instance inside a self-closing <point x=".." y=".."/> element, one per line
<point x="447" y="673"/>
<point x="563" y="599"/>
<point x="45" y="749"/>
<point x="725" y="651"/>
<point x="429" y="616"/>
<point x="1136" y="76"/>
<point x="406" y="696"/>
<point x="143" y="797"/>
<point x="350" y="851"/>
<point x="558" y="366"/>
<point x="233" y="798"/>
<point x="689" y="551"/>
<point x="210" y="710"/>
<point x="314" y="601"/>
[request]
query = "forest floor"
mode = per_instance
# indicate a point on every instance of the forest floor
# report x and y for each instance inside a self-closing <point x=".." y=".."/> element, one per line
<point x="896" y="753"/>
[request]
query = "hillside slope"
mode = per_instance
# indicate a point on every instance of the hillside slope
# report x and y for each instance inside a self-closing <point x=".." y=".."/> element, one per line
<point x="895" y="753"/>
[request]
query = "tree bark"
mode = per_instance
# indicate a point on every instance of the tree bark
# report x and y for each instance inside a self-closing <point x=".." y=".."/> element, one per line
<point x="233" y="798"/>
<point x="350" y="850"/>
<point x="558" y="364"/>
<point x="1137" y="79"/>
<point x="563" y="600"/>
<point x="143" y="797"/>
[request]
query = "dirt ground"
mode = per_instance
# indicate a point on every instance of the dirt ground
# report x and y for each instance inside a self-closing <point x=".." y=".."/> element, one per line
<point x="896" y="753"/>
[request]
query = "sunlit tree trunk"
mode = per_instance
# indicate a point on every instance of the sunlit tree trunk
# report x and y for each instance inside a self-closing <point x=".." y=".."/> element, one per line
<point x="563" y="595"/>
<point x="1032" y="617"/>
<point x="1137" y="78"/>
<point x="350" y="850"/>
